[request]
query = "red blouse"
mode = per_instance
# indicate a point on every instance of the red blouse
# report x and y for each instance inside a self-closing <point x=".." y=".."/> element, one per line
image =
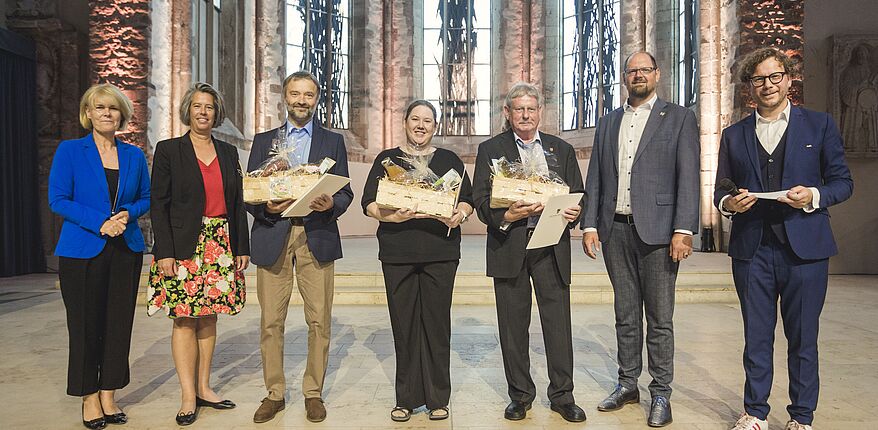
<point x="214" y="199"/>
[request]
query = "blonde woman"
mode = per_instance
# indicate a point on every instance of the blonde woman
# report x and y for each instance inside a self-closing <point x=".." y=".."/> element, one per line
<point x="99" y="185"/>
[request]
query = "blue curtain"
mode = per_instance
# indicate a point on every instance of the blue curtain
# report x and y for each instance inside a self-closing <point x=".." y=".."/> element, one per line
<point x="21" y="249"/>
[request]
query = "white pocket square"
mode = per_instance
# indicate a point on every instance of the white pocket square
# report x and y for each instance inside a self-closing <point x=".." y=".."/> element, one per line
<point x="809" y="146"/>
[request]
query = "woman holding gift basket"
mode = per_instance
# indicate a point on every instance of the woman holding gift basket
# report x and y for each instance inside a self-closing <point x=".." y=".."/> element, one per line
<point x="419" y="254"/>
<point x="202" y="244"/>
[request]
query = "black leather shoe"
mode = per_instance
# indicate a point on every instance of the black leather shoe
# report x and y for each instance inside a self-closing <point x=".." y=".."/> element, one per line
<point x="570" y="412"/>
<point x="516" y="410"/>
<point x="620" y="396"/>
<point x="659" y="412"/>
<point x="222" y="404"/>
<point x="118" y="418"/>
<point x="95" y="424"/>
<point x="184" y="419"/>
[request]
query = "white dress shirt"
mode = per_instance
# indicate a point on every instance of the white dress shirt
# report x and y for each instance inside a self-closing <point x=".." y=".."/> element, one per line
<point x="630" y="132"/>
<point x="770" y="132"/>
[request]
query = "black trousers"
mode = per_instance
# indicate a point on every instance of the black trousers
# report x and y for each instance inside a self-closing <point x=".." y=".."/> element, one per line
<point x="100" y="296"/>
<point x="419" y="300"/>
<point x="513" y="296"/>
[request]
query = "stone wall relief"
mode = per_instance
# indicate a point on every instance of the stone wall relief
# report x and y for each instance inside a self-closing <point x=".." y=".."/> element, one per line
<point x="855" y="93"/>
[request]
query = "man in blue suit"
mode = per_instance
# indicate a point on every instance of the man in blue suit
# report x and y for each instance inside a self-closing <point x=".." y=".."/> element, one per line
<point x="780" y="248"/>
<point x="306" y="247"/>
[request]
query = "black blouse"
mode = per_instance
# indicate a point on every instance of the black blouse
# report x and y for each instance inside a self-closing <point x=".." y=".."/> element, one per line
<point x="417" y="240"/>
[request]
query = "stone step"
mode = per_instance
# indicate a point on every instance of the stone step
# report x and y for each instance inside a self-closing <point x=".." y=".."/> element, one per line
<point x="367" y="288"/>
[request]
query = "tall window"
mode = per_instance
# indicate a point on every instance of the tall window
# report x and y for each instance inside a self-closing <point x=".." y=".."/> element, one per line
<point x="687" y="52"/>
<point x="205" y="41"/>
<point x="457" y="64"/>
<point x="591" y="62"/>
<point x="317" y="41"/>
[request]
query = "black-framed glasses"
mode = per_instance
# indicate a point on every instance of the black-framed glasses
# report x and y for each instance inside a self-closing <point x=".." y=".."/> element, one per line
<point x="643" y="71"/>
<point x="774" y="78"/>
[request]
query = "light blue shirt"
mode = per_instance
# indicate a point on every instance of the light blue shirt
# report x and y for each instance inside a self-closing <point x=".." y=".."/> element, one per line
<point x="299" y="139"/>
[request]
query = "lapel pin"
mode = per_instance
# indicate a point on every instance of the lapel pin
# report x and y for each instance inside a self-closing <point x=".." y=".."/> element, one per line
<point x="662" y="113"/>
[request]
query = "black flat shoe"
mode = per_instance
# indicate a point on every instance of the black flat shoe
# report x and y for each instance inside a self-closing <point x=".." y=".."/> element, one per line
<point x="95" y="424"/>
<point x="569" y="412"/>
<point x="222" y="404"/>
<point x="117" y="418"/>
<point x="187" y="418"/>
<point x="516" y="410"/>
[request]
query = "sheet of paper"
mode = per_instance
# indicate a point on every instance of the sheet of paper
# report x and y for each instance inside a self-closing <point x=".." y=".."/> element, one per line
<point x="770" y="196"/>
<point x="552" y="222"/>
<point x="327" y="184"/>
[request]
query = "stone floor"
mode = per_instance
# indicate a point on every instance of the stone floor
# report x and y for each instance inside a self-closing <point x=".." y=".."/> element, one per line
<point x="359" y="392"/>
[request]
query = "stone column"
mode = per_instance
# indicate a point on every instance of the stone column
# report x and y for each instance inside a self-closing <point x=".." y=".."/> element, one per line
<point x="269" y="64"/>
<point x="119" y="51"/>
<point x="711" y="73"/>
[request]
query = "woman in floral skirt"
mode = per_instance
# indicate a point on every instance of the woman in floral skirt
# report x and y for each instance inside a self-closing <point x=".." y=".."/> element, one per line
<point x="201" y="243"/>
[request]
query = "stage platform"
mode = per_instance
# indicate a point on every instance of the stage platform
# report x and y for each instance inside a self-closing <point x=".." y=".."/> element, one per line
<point x="359" y="392"/>
<point x="703" y="278"/>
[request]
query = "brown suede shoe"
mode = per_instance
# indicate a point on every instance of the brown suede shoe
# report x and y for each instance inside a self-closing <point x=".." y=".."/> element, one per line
<point x="267" y="410"/>
<point x="314" y="410"/>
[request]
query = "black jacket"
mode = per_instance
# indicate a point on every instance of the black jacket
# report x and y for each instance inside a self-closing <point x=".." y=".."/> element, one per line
<point x="506" y="249"/>
<point x="178" y="198"/>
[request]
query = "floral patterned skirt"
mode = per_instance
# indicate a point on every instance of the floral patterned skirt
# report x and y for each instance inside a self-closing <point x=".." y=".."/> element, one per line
<point x="206" y="284"/>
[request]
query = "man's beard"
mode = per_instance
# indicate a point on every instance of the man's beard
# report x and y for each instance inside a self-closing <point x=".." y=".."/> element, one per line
<point x="303" y="118"/>
<point x="640" y="91"/>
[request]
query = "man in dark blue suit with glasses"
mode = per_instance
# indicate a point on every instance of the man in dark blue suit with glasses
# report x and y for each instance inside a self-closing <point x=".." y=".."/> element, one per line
<point x="780" y="248"/>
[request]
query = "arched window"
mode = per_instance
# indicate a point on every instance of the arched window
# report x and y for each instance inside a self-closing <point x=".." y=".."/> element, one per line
<point x="457" y="64"/>
<point x="590" y="61"/>
<point x="317" y="41"/>
<point x="687" y="52"/>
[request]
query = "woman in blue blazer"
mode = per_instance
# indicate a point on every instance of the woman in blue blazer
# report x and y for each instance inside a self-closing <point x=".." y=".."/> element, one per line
<point x="99" y="186"/>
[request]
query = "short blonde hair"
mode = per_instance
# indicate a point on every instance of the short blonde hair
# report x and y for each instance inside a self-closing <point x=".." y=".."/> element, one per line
<point x="218" y="104"/>
<point x="126" y="108"/>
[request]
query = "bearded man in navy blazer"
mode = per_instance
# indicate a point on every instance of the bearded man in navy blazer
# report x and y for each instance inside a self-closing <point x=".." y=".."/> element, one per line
<point x="306" y="247"/>
<point x="780" y="248"/>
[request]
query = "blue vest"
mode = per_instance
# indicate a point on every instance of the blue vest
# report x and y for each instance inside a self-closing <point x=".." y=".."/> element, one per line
<point x="773" y="212"/>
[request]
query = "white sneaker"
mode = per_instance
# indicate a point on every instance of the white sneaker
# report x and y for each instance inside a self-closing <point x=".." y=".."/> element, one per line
<point x="794" y="425"/>
<point x="749" y="422"/>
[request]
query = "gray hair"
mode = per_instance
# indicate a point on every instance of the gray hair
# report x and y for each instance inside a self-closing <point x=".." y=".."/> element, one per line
<point x="218" y="104"/>
<point x="521" y="89"/>
<point x="301" y="74"/>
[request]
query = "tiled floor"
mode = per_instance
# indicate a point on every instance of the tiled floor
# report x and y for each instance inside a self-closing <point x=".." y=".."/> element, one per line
<point x="359" y="392"/>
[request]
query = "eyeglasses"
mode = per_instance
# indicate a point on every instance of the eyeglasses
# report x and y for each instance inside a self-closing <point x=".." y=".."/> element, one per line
<point x="643" y="71"/>
<point x="775" y="78"/>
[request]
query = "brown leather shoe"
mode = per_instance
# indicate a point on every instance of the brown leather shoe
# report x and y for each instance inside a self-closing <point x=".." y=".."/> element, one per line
<point x="267" y="410"/>
<point x="314" y="410"/>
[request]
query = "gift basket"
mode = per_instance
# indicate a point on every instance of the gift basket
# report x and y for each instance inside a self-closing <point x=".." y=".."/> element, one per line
<point x="529" y="181"/>
<point x="416" y="187"/>
<point x="283" y="175"/>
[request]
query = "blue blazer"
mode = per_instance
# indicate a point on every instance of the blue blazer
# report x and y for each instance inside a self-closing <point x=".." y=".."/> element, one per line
<point x="269" y="232"/>
<point x="814" y="157"/>
<point x="78" y="192"/>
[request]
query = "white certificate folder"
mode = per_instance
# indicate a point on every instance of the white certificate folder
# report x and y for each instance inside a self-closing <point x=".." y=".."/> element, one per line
<point x="327" y="184"/>
<point x="552" y="223"/>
